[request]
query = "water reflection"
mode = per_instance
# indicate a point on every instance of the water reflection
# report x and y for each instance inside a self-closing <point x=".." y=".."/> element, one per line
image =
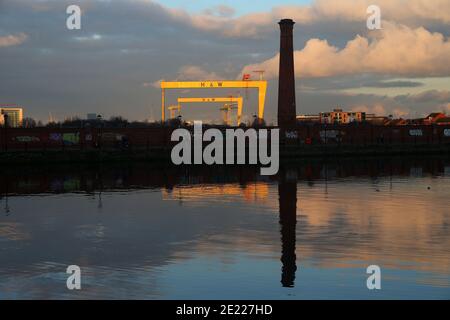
<point x="151" y="229"/>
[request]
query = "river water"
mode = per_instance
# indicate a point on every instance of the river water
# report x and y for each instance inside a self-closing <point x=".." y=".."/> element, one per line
<point x="140" y="231"/>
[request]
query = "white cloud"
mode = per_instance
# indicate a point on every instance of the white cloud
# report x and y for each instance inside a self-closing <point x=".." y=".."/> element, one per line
<point x="395" y="50"/>
<point x="13" y="40"/>
<point x="432" y="95"/>
<point x="186" y="73"/>
<point x="377" y="109"/>
<point x="191" y="72"/>
<point x="446" y="108"/>
<point x="221" y="11"/>
<point x="256" y="25"/>
<point x="380" y="109"/>
<point x="401" y="113"/>
<point x="155" y="84"/>
<point x="403" y="106"/>
<point x="93" y="37"/>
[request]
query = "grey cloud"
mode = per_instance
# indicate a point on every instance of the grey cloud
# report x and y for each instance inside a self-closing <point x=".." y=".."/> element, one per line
<point x="56" y="72"/>
<point x="392" y="84"/>
<point x="355" y="81"/>
<point x="432" y="95"/>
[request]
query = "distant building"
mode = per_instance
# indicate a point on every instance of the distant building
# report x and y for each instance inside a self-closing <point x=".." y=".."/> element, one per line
<point x="378" y="120"/>
<point x="339" y="116"/>
<point x="308" y="118"/>
<point x="396" y="122"/>
<point x="434" y="117"/>
<point x="13" y="114"/>
<point x="91" y="116"/>
<point x="443" y="121"/>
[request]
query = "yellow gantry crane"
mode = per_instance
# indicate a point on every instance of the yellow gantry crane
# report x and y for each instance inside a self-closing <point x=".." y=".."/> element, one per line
<point x="237" y="100"/>
<point x="261" y="85"/>
<point x="173" y="109"/>
<point x="226" y="109"/>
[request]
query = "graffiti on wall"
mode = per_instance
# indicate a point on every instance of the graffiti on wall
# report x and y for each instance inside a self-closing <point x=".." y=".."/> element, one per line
<point x="68" y="138"/>
<point x="71" y="138"/>
<point x="112" y="137"/>
<point x="55" y="137"/>
<point x="416" y="132"/>
<point x="291" y="134"/>
<point x="26" y="139"/>
<point x="331" y="135"/>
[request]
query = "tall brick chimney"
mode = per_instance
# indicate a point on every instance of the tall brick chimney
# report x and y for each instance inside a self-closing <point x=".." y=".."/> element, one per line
<point x="286" y="84"/>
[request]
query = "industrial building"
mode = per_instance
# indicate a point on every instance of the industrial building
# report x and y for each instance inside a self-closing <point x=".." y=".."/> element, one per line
<point x="308" y="118"/>
<point x="338" y="116"/>
<point x="11" y="115"/>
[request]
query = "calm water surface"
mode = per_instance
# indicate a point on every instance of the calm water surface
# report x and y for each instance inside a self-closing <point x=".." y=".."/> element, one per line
<point x="139" y="231"/>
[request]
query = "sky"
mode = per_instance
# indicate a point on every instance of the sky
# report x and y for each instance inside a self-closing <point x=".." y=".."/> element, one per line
<point x="113" y="64"/>
<point x="240" y="7"/>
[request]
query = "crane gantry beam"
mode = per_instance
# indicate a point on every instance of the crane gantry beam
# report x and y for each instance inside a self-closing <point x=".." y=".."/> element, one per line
<point x="238" y="100"/>
<point x="261" y="85"/>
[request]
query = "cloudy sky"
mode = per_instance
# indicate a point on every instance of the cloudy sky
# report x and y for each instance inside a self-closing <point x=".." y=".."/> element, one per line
<point x="113" y="64"/>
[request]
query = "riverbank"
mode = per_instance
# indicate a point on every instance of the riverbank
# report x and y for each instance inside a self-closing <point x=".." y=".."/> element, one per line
<point x="335" y="150"/>
<point x="162" y="154"/>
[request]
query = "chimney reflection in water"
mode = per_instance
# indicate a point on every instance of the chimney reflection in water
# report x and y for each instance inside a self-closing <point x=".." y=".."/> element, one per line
<point x="287" y="192"/>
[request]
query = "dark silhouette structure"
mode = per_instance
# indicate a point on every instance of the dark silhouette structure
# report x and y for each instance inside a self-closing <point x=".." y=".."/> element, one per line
<point x="286" y="84"/>
<point x="287" y="192"/>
